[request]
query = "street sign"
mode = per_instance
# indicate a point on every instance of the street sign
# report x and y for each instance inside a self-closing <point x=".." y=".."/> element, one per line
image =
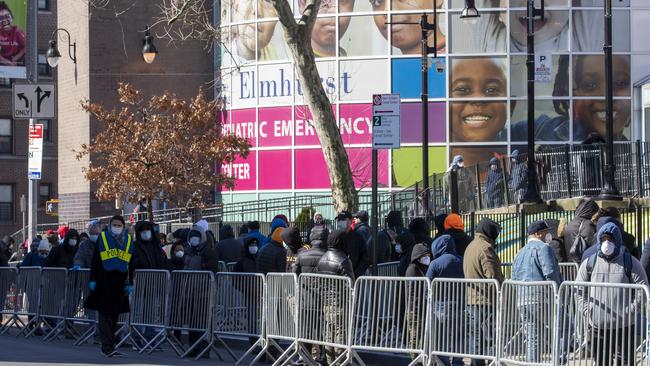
<point x="544" y="68"/>
<point x="35" y="151"/>
<point x="33" y="100"/>
<point x="386" y="121"/>
<point x="52" y="207"/>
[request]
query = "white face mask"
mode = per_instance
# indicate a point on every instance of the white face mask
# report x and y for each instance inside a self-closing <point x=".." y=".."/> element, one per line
<point x="461" y="164"/>
<point x="398" y="248"/>
<point x="493" y="167"/>
<point x="425" y="260"/>
<point x="93" y="237"/>
<point x="146" y="235"/>
<point x="607" y="247"/>
<point x="252" y="249"/>
<point x="341" y="225"/>
<point x="179" y="254"/>
<point x="548" y="238"/>
<point x="72" y="242"/>
<point x="116" y="230"/>
<point x="194" y="241"/>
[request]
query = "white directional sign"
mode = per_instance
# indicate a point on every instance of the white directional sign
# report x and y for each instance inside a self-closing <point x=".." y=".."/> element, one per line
<point x="386" y="121"/>
<point x="35" y="150"/>
<point x="33" y="100"/>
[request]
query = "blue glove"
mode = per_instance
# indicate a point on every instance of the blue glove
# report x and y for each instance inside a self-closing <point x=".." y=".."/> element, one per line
<point x="92" y="285"/>
<point x="76" y="267"/>
<point x="128" y="289"/>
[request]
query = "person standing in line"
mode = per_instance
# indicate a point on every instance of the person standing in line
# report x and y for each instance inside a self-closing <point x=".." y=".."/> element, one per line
<point x="109" y="284"/>
<point x="579" y="234"/>
<point x="62" y="256"/>
<point x="355" y="247"/>
<point x="361" y="227"/>
<point x="455" y="227"/>
<point x="494" y="186"/>
<point x="291" y="237"/>
<point x="84" y="256"/>
<point x="229" y="249"/>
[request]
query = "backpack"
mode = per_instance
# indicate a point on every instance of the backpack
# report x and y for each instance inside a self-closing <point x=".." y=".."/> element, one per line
<point x="579" y="244"/>
<point x="627" y="264"/>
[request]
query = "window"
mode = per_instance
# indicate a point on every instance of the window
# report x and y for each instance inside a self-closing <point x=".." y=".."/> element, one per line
<point x="47" y="132"/>
<point x="44" y="68"/>
<point x="44" y="5"/>
<point x="5" y="83"/>
<point x="6" y="202"/>
<point x="44" y="193"/>
<point x="6" y="136"/>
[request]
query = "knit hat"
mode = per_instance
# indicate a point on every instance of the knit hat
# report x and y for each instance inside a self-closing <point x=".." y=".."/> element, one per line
<point x="62" y="231"/>
<point x="93" y="224"/>
<point x="454" y="221"/>
<point x="202" y="224"/>
<point x="44" y="245"/>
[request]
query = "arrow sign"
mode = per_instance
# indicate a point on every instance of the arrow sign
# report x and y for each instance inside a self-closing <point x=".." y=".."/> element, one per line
<point x="41" y="98"/>
<point x="22" y="97"/>
<point x="27" y="96"/>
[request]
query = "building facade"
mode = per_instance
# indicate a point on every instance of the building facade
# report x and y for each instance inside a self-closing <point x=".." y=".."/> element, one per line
<point x="14" y="132"/>
<point x="477" y="85"/>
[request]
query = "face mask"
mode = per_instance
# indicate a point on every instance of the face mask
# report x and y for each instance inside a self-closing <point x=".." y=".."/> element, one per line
<point x="72" y="242"/>
<point x="146" y="235"/>
<point x="116" y="230"/>
<point x="548" y="238"/>
<point x="341" y="225"/>
<point x="398" y="248"/>
<point x="461" y="164"/>
<point x="252" y="249"/>
<point x="425" y="260"/>
<point x="42" y="255"/>
<point x="194" y="241"/>
<point x="607" y="247"/>
<point x="179" y="254"/>
<point x="493" y="167"/>
<point x="93" y="237"/>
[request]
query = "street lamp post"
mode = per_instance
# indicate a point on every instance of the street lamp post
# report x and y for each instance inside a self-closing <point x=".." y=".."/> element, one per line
<point x="424" y="97"/>
<point x="609" y="190"/>
<point x="532" y="193"/>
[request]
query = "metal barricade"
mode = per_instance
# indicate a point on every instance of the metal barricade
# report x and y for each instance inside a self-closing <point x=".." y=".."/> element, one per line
<point x="53" y="301"/>
<point x="230" y="266"/>
<point x="527" y="330"/>
<point x="26" y="300"/>
<point x="281" y="314"/>
<point x="324" y="304"/>
<point x="464" y="318"/>
<point x="147" y="326"/>
<point x="239" y="310"/>
<point x="388" y="269"/>
<point x="190" y="309"/>
<point x="602" y="324"/>
<point x="76" y="315"/>
<point x="569" y="271"/>
<point x="390" y="315"/>
<point x="222" y="266"/>
<point x="506" y="269"/>
<point x="8" y="281"/>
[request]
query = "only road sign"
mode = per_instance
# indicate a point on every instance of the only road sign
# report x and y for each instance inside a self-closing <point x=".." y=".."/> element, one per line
<point x="33" y="100"/>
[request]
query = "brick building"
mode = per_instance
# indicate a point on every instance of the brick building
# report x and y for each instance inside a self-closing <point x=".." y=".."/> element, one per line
<point x="13" y="138"/>
<point x="109" y="51"/>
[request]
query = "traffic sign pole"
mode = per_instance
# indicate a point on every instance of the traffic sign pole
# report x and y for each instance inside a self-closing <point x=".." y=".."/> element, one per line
<point x="32" y="218"/>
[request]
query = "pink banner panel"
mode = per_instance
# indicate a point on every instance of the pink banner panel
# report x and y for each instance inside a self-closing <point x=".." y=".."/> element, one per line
<point x="275" y="169"/>
<point x="311" y="171"/>
<point x="242" y="124"/>
<point x="275" y="126"/>
<point x="304" y="129"/>
<point x="243" y="170"/>
<point x="355" y="123"/>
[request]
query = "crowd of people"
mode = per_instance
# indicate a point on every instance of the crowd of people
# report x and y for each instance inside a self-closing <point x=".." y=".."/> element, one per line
<point x="594" y="238"/>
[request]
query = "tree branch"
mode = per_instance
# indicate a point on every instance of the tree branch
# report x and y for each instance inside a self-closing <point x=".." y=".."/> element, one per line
<point x="285" y="14"/>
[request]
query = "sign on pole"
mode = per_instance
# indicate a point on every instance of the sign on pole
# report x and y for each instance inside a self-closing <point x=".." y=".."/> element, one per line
<point x="52" y="207"/>
<point x="35" y="151"/>
<point x="544" y="68"/>
<point x="33" y="100"/>
<point x="386" y="121"/>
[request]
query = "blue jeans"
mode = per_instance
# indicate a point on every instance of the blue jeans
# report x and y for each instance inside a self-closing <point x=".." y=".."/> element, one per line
<point x="479" y="335"/>
<point x="443" y="316"/>
<point x="530" y="317"/>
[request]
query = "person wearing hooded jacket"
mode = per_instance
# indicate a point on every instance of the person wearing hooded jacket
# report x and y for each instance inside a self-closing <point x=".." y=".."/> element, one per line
<point x="279" y="221"/>
<point x="36" y="258"/>
<point x="494" y="186"/>
<point x="582" y="226"/>
<point x="481" y="261"/>
<point x="147" y="252"/>
<point x="439" y="222"/>
<point x="455" y="228"/>
<point x="62" y="256"/>
<point x="610" y="311"/>
<point x="628" y="245"/>
<point x="229" y="249"/>
<point x="334" y="262"/>
<point x="308" y="259"/>
<point x="404" y="244"/>
<point x="386" y="238"/>
<point x="273" y="256"/>
<point x="249" y="255"/>
<point x="84" y="255"/>
<point x="420" y="230"/>
<point x="420" y="260"/>
<point x="176" y="261"/>
<point x="291" y="237"/>
<point x="445" y="263"/>
<point x="355" y="247"/>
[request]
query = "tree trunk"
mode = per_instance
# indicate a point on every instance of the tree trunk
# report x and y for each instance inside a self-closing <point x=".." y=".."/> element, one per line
<point x="298" y="37"/>
<point x="150" y="209"/>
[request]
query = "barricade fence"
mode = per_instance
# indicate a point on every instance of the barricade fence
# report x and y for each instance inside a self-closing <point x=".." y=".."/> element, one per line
<point x="444" y="321"/>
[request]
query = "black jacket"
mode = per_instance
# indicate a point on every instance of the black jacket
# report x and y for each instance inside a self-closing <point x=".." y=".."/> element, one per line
<point x="418" y="227"/>
<point x="357" y="251"/>
<point x="291" y="237"/>
<point x="308" y="259"/>
<point x="62" y="256"/>
<point x="272" y="258"/>
<point x="557" y="244"/>
<point x="407" y="241"/>
<point x="384" y="245"/>
<point x="5" y="254"/>
<point x="229" y="249"/>
<point x="461" y="240"/>
<point x="363" y="229"/>
<point x="248" y="262"/>
<point x="335" y="261"/>
<point x="645" y="257"/>
<point x="147" y="254"/>
<point x="584" y="213"/>
<point x="417" y="269"/>
<point x="202" y="257"/>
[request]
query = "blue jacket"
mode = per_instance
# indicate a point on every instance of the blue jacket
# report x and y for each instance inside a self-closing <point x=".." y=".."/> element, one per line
<point x="33" y="260"/>
<point x="519" y="179"/>
<point x="494" y="186"/>
<point x="445" y="263"/>
<point x="536" y="262"/>
<point x="261" y="239"/>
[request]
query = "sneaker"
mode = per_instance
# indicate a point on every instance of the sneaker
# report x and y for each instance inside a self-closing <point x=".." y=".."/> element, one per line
<point x="117" y="354"/>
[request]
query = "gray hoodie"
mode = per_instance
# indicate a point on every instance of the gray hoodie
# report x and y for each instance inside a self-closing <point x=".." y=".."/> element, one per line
<point x="611" y="307"/>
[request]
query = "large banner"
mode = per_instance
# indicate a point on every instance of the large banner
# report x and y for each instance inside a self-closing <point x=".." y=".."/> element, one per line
<point x="13" y="40"/>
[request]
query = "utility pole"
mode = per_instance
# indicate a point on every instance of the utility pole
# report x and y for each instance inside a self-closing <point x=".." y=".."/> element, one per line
<point x="32" y="77"/>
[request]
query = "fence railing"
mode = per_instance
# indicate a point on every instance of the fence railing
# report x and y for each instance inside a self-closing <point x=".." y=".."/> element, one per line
<point x="447" y="320"/>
